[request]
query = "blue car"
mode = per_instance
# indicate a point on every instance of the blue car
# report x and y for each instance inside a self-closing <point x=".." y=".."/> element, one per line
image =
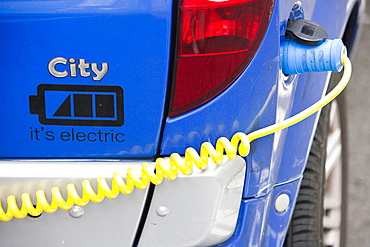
<point x="102" y="100"/>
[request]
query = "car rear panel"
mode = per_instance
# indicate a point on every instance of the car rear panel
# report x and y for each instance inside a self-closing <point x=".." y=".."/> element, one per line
<point x="43" y="117"/>
<point x="246" y="105"/>
<point x="83" y="79"/>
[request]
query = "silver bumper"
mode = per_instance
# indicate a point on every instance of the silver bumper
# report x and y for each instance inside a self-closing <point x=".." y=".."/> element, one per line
<point x="196" y="210"/>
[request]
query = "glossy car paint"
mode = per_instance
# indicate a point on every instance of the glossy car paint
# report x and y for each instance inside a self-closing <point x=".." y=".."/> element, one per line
<point x="131" y="37"/>
<point x="248" y="104"/>
<point x="261" y="96"/>
<point x="258" y="212"/>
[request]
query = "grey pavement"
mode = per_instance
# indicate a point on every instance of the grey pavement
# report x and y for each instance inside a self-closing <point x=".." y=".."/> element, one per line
<point x="358" y="124"/>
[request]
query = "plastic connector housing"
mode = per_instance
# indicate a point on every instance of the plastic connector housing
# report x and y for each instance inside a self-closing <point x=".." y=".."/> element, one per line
<point x="300" y="58"/>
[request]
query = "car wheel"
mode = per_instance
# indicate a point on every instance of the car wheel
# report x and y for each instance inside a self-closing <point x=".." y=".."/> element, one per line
<point x="319" y="215"/>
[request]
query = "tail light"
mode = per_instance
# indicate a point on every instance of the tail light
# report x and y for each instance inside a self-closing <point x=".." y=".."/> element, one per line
<point x="216" y="41"/>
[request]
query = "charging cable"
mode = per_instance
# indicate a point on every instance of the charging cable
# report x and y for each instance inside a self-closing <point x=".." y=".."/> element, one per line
<point x="170" y="168"/>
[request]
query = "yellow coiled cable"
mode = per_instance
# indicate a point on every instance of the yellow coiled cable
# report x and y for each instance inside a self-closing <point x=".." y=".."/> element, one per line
<point x="239" y="144"/>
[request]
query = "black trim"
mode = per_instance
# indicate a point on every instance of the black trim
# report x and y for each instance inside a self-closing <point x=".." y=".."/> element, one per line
<point x="144" y="215"/>
<point x="168" y="104"/>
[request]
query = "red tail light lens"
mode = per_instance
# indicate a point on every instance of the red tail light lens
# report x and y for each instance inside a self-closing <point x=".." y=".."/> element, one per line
<point x="216" y="41"/>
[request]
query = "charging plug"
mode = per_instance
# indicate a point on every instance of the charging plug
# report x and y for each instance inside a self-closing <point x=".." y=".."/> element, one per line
<point x="300" y="58"/>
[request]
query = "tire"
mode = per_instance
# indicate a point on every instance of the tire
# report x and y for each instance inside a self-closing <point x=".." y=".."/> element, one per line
<point x="319" y="215"/>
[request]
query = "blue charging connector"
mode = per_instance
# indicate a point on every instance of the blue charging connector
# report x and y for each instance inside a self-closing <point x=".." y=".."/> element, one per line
<point x="300" y="58"/>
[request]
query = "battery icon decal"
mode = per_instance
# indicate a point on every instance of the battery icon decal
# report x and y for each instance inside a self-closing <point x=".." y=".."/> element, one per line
<point x="78" y="105"/>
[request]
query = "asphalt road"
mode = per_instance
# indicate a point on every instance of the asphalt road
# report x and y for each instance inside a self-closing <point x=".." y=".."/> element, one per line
<point x="358" y="121"/>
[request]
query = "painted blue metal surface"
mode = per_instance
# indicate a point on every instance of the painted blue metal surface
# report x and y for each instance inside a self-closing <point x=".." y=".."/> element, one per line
<point x="61" y="59"/>
<point x="309" y="88"/>
<point x="259" y="223"/>
<point x="39" y="107"/>
<point x="262" y="96"/>
<point x="259" y="97"/>
<point x="247" y="105"/>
